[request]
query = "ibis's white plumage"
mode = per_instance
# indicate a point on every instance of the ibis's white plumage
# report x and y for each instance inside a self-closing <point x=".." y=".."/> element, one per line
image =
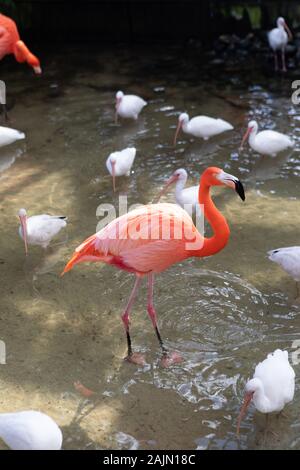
<point x="268" y="142"/>
<point x="30" y="430"/>
<point x="273" y="383"/>
<point x="129" y="106"/>
<point x="8" y="136"/>
<point x="42" y="228"/>
<point x="203" y="126"/>
<point x="185" y="197"/>
<point x="123" y="161"/>
<point x="278" y="37"/>
<point x="289" y="259"/>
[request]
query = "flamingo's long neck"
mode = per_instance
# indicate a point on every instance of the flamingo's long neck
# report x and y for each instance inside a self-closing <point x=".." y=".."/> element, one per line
<point x="217" y="222"/>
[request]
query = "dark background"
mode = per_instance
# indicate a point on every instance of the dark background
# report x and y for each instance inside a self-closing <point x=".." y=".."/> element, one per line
<point x="99" y="21"/>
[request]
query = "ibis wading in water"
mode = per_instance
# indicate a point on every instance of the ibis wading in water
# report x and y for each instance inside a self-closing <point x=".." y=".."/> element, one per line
<point x="8" y="136"/>
<point x="10" y="43"/>
<point x="152" y="238"/>
<point x="289" y="259"/>
<point x="39" y="229"/>
<point x="128" y="106"/>
<point x="30" y="430"/>
<point x="272" y="385"/>
<point x="187" y="198"/>
<point x="278" y="39"/>
<point x="201" y="126"/>
<point x="266" y="142"/>
<point x="120" y="163"/>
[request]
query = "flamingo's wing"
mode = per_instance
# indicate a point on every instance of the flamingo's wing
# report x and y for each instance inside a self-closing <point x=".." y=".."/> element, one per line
<point x="149" y="238"/>
<point x="5" y="42"/>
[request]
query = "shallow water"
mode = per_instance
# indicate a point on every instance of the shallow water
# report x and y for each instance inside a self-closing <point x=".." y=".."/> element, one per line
<point x="223" y="314"/>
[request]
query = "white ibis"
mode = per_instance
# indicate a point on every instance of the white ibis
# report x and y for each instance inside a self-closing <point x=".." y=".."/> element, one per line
<point x="266" y="142"/>
<point x="185" y="197"/>
<point x="30" y="430"/>
<point x="8" y="136"/>
<point x="39" y="229"/>
<point x="272" y="385"/>
<point x="289" y="259"/>
<point x="201" y="126"/>
<point x="278" y="39"/>
<point x="128" y="106"/>
<point x="120" y="163"/>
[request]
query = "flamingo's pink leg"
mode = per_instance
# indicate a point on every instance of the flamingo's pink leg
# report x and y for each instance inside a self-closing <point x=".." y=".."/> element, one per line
<point x="132" y="357"/>
<point x="152" y="312"/>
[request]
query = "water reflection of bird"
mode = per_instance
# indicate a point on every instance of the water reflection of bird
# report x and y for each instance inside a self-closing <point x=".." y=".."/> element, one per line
<point x="128" y="106"/>
<point x="278" y="39"/>
<point x="39" y="229"/>
<point x="185" y="197"/>
<point x="120" y="163"/>
<point x="152" y="238"/>
<point x="289" y="259"/>
<point x="10" y="43"/>
<point x="8" y="136"/>
<point x="272" y="385"/>
<point x="30" y="430"/>
<point x="201" y="126"/>
<point x="266" y="142"/>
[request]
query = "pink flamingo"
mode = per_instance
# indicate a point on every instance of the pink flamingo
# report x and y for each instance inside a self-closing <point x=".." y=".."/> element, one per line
<point x="137" y="242"/>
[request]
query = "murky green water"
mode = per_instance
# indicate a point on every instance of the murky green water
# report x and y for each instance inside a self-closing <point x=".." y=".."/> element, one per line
<point x="224" y="314"/>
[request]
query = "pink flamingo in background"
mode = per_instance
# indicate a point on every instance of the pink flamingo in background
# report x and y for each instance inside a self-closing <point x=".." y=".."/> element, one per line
<point x="146" y="255"/>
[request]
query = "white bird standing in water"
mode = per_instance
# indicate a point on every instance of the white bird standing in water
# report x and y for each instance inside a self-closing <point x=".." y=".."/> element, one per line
<point x="289" y="259"/>
<point x="266" y="142"/>
<point x="39" y="229"/>
<point x="8" y="136"/>
<point x="272" y="385"/>
<point x="128" y="106"/>
<point x="30" y="430"/>
<point x="120" y="163"/>
<point x="278" y="39"/>
<point x="187" y="198"/>
<point x="201" y="126"/>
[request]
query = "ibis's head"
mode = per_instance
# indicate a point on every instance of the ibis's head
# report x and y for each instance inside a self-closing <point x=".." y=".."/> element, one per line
<point x="251" y="129"/>
<point x="178" y="175"/>
<point x="252" y="386"/>
<point x="281" y="23"/>
<point x="23" y="221"/>
<point x="182" y="119"/>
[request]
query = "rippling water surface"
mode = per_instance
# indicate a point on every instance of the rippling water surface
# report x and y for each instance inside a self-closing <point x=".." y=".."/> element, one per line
<point x="223" y="314"/>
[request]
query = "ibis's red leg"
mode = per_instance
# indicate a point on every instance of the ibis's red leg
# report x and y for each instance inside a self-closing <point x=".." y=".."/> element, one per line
<point x="276" y="61"/>
<point x="283" y="60"/>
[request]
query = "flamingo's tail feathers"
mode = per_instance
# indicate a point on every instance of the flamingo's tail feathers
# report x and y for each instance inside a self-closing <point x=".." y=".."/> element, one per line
<point x="87" y="251"/>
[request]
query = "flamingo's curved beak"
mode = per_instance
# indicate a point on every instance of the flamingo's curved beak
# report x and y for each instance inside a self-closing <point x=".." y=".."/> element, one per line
<point x="170" y="181"/>
<point x="179" y="125"/>
<point x="290" y="35"/>
<point x="113" y="174"/>
<point x="23" y="220"/>
<point x="246" y="135"/>
<point x="233" y="182"/>
<point x="247" y="399"/>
